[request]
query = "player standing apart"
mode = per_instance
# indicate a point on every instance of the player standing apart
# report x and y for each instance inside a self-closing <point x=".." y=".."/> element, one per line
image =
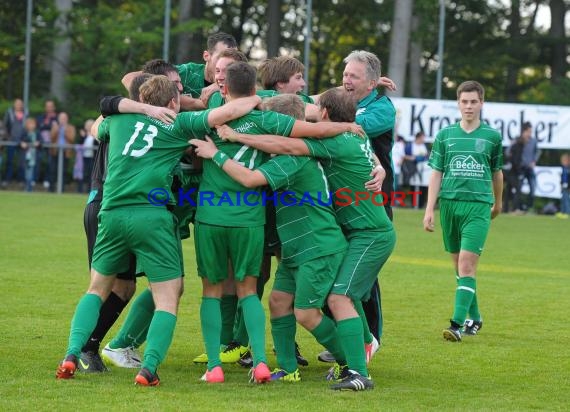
<point x="467" y="178"/>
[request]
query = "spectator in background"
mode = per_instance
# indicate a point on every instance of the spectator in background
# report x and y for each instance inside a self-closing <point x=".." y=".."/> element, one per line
<point x="89" y="148"/>
<point x="29" y="144"/>
<point x="512" y="175"/>
<point x="530" y="156"/>
<point x="45" y="122"/>
<point x="62" y="133"/>
<point x="565" y="191"/>
<point x="398" y="154"/>
<point x="415" y="160"/>
<point x="14" y="123"/>
<point x="78" y="160"/>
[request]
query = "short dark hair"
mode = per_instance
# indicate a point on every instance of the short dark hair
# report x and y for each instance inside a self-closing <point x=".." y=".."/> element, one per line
<point x="340" y="106"/>
<point x="158" y="66"/>
<point x="240" y="79"/>
<point x="526" y="126"/>
<point x="134" y="93"/>
<point x="471" y="86"/>
<point x="216" y="38"/>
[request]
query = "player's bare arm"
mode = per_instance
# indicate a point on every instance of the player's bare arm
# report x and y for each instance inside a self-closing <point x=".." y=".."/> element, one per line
<point x="129" y="77"/>
<point x="498" y="192"/>
<point x="207" y="93"/>
<point x="265" y="143"/>
<point x="433" y="191"/>
<point x="232" y="110"/>
<point x="324" y="129"/>
<point x="190" y="104"/>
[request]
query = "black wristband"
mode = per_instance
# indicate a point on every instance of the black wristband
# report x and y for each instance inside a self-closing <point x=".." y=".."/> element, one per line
<point x="110" y="105"/>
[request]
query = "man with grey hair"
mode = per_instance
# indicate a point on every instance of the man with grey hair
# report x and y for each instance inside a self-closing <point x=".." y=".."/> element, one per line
<point x="377" y="116"/>
<point x="375" y="113"/>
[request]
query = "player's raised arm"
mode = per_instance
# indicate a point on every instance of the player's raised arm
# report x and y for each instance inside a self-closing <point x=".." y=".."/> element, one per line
<point x="129" y="77"/>
<point x="117" y="104"/>
<point x="323" y="129"/>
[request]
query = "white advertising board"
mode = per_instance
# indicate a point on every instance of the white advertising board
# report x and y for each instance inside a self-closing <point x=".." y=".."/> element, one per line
<point x="551" y="124"/>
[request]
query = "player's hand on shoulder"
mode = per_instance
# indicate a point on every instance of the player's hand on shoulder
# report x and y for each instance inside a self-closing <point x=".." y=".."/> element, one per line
<point x="356" y="129"/>
<point x="227" y="133"/>
<point x="207" y="93"/>
<point x="164" y="114"/>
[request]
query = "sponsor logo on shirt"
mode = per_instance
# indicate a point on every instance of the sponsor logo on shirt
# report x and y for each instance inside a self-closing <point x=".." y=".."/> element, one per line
<point x="466" y="166"/>
<point x="245" y="127"/>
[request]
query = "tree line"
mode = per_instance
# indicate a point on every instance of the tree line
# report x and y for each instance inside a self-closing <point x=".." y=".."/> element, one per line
<point x="81" y="48"/>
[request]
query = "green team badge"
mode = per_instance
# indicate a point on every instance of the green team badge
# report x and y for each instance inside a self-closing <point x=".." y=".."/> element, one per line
<point x="480" y="145"/>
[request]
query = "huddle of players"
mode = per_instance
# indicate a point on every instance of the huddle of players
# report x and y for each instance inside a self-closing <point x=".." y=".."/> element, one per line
<point x="334" y="259"/>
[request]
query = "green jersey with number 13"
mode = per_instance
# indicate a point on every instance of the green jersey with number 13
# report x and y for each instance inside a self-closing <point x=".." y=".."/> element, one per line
<point x="142" y="155"/>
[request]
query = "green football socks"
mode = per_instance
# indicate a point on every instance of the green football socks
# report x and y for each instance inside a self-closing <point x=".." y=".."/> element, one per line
<point x="160" y="334"/>
<point x="360" y="310"/>
<point x="283" y="330"/>
<point x="327" y="335"/>
<point x="254" y="316"/>
<point x="229" y="307"/>
<point x="474" y="309"/>
<point x="240" y="331"/>
<point x="83" y="322"/>
<point x="352" y="343"/>
<point x="466" y="288"/>
<point x="134" y="330"/>
<point x="211" y="322"/>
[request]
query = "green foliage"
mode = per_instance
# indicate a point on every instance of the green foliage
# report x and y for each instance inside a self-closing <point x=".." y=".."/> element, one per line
<point x="112" y="37"/>
<point x="547" y="92"/>
<point x="514" y="364"/>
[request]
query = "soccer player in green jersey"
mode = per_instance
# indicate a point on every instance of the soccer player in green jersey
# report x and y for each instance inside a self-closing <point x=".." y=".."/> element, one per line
<point x="230" y="223"/>
<point x="467" y="178"/>
<point x="142" y="152"/>
<point x="197" y="79"/>
<point x="313" y="244"/>
<point x="225" y="57"/>
<point x="347" y="161"/>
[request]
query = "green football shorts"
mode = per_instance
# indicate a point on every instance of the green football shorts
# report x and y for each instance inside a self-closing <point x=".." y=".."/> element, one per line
<point x="148" y="232"/>
<point x="310" y="282"/>
<point x="367" y="252"/>
<point x="464" y="225"/>
<point x="218" y="245"/>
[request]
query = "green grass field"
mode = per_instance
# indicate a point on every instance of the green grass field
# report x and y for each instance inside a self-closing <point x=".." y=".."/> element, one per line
<point x="520" y="361"/>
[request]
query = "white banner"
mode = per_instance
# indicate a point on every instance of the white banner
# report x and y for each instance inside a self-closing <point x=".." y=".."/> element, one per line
<point x="550" y="124"/>
<point x="547" y="181"/>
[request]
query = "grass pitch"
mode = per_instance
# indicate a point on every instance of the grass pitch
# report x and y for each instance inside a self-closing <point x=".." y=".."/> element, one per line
<point x="520" y="361"/>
